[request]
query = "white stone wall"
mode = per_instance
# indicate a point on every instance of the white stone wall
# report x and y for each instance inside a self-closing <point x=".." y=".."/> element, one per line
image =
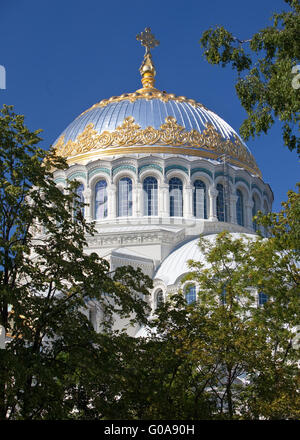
<point x="163" y="167"/>
<point x="146" y="241"/>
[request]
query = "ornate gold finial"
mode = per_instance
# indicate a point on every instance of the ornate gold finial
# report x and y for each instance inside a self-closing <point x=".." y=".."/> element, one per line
<point x="147" y="69"/>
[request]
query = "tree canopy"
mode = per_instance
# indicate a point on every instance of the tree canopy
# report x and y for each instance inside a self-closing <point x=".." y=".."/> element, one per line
<point x="232" y="354"/>
<point x="267" y="66"/>
<point x="47" y="280"/>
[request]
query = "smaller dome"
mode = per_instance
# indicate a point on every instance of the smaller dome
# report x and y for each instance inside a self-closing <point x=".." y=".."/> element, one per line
<point x="175" y="265"/>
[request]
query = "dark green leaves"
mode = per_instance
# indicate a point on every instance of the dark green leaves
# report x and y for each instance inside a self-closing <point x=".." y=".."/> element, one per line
<point x="264" y="65"/>
<point x="47" y="281"/>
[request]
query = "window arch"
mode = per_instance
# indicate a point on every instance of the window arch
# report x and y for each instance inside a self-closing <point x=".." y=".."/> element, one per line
<point x="150" y="196"/>
<point x="176" y="201"/>
<point x="262" y="298"/>
<point x="199" y="199"/>
<point x="101" y="199"/>
<point x="240" y="208"/>
<point x="159" y="298"/>
<point x="223" y="298"/>
<point x="80" y="199"/>
<point x="190" y="294"/>
<point x="221" y="208"/>
<point x="125" y="197"/>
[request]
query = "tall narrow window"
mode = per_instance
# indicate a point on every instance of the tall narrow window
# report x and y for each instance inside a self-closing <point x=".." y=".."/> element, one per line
<point x="159" y="299"/>
<point x="223" y="297"/>
<point x="101" y="199"/>
<point x="190" y="294"/>
<point x="176" y="203"/>
<point x="199" y="199"/>
<point x="240" y="208"/>
<point x="125" y="197"/>
<point x="150" y="196"/>
<point x="262" y="298"/>
<point x="221" y="208"/>
<point x="80" y="199"/>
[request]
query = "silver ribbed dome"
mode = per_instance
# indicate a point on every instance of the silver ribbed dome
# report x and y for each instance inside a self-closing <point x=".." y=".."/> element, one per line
<point x="148" y="113"/>
<point x="151" y="121"/>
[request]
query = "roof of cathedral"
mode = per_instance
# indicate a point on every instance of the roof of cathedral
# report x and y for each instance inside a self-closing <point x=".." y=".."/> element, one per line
<point x="175" y="265"/>
<point x="152" y="121"/>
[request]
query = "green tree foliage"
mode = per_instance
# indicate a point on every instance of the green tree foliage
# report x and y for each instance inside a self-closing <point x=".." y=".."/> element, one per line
<point x="266" y="72"/>
<point x="225" y="356"/>
<point x="46" y="281"/>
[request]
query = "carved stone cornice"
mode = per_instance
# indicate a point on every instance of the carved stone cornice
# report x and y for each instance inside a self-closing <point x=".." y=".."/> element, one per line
<point x="117" y="238"/>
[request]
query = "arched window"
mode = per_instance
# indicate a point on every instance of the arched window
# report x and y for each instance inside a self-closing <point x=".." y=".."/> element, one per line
<point x="255" y="208"/>
<point x="190" y="294"/>
<point x="150" y="196"/>
<point x="93" y="316"/>
<point x="80" y="199"/>
<point x="262" y="298"/>
<point x="125" y="197"/>
<point x="240" y="208"/>
<point x="199" y="199"/>
<point x="223" y="297"/>
<point x="176" y="202"/>
<point x="221" y="208"/>
<point x="159" y="299"/>
<point x="101" y="199"/>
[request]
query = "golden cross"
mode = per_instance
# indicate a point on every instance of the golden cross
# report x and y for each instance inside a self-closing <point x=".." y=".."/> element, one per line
<point x="147" y="40"/>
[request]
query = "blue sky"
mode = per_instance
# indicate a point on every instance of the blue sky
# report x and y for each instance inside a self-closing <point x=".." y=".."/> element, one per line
<point x="63" y="56"/>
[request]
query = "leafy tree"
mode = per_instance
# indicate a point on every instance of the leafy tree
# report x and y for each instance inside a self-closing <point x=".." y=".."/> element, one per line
<point x="267" y="86"/>
<point x="275" y="380"/>
<point x="225" y="356"/>
<point x="46" y="281"/>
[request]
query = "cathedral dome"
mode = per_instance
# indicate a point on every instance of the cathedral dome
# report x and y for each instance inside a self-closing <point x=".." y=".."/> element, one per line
<point x="152" y="121"/>
<point x="175" y="265"/>
<point x="155" y="171"/>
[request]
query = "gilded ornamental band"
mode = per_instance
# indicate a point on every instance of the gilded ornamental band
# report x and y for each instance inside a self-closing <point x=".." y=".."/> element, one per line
<point x="170" y="135"/>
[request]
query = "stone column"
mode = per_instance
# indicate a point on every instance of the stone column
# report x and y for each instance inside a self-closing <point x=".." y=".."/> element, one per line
<point x="233" y="200"/>
<point x="248" y="214"/>
<point x="212" y="192"/>
<point x="188" y="201"/>
<point x="112" y="201"/>
<point x="134" y="200"/>
<point x="88" y="214"/>
<point x="139" y="200"/>
<point x="164" y="199"/>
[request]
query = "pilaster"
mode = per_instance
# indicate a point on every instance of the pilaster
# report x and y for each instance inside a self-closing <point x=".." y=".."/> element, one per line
<point x="112" y="201"/>
<point x="87" y="194"/>
<point x="212" y="192"/>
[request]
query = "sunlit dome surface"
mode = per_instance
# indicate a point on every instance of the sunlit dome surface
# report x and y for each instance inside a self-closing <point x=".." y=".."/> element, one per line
<point x="152" y="121"/>
<point x="175" y="265"/>
<point x="148" y="112"/>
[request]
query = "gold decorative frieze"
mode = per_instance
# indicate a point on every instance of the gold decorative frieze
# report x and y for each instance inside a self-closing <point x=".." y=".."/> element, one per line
<point x="209" y="143"/>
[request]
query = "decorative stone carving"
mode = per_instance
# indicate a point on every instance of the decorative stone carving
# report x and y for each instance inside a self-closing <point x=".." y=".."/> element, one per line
<point x="170" y="134"/>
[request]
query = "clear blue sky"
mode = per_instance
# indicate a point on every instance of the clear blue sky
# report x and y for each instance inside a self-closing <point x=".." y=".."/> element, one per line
<point x="62" y="56"/>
